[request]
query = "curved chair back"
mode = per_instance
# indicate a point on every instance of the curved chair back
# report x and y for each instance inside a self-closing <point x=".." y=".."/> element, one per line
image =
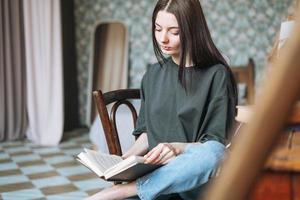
<point x="118" y="97"/>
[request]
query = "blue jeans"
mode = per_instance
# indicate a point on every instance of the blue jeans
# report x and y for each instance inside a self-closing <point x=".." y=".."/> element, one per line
<point x="185" y="174"/>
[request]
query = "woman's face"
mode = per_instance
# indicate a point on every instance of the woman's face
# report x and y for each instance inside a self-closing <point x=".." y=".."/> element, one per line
<point x="167" y="34"/>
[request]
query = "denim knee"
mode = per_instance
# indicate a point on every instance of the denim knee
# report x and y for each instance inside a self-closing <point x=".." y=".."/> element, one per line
<point x="197" y="164"/>
<point x="210" y="151"/>
<point x="188" y="170"/>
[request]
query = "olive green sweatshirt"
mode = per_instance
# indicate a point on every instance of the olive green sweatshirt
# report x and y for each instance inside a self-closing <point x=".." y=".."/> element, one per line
<point x="169" y="113"/>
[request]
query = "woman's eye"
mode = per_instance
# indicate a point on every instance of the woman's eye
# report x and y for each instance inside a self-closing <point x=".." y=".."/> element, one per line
<point x="175" y="33"/>
<point x="157" y="29"/>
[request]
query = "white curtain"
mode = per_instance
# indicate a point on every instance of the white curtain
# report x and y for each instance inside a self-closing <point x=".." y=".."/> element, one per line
<point x="44" y="71"/>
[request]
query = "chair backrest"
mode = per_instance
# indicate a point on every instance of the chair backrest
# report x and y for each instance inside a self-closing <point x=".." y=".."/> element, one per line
<point x="118" y="97"/>
<point x="245" y="75"/>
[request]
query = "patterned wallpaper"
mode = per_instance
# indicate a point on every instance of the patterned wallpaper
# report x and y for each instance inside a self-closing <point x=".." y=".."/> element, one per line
<point x="240" y="29"/>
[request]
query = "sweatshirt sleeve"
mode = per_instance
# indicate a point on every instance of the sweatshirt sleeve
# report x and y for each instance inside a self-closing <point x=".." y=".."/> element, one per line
<point x="220" y="113"/>
<point x="141" y="122"/>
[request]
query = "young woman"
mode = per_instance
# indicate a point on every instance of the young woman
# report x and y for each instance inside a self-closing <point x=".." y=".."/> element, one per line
<point x="187" y="108"/>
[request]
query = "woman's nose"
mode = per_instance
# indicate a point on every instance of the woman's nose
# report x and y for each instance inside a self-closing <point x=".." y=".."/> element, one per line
<point x="164" y="37"/>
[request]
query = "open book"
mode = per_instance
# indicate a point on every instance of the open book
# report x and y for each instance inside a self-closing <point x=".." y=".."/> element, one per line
<point x="114" y="168"/>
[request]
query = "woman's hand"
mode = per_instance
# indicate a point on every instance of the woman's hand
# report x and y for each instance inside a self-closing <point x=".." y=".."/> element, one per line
<point x="161" y="154"/>
<point x="140" y="147"/>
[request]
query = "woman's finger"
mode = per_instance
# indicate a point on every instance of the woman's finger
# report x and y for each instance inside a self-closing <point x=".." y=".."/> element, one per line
<point x="167" y="152"/>
<point x="161" y="156"/>
<point x="171" y="148"/>
<point x="158" y="147"/>
<point x="153" y="154"/>
<point x="170" y="154"/>
<point x="153" y="157"/>
<point x="160" y="153"/>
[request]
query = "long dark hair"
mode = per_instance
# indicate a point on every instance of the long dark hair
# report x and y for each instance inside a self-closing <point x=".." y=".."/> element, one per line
<point x="195" y="38"/>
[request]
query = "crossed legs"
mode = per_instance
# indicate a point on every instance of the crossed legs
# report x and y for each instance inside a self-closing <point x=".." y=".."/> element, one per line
<point x="186" y="172"/>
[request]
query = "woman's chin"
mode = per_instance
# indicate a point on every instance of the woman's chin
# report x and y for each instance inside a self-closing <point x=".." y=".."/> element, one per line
<point x="170" y="53"/>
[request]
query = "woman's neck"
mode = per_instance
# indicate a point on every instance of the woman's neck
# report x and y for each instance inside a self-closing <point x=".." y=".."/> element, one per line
<point x="188" y="63"/>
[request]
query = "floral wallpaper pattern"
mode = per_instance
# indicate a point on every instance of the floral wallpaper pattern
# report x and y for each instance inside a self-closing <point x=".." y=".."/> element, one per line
<point x="240" y="29"/>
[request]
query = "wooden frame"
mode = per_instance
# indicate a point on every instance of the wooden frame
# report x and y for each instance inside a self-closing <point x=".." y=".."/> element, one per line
<point x="251" y="147"/>
<point x="94" y="57"/>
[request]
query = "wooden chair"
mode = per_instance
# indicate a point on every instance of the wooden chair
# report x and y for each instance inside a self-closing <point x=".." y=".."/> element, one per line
<point x="245" y="75"/>
<point x="118" y="97"/>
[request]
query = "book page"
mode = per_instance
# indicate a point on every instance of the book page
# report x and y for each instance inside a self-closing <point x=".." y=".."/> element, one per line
<point x="130" y="161"/>
<point x="103" y="161"/>
<point x="83" y="158"/>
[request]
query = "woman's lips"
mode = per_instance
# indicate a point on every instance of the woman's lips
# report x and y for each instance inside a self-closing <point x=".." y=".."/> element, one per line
<point x="166" y="48"/>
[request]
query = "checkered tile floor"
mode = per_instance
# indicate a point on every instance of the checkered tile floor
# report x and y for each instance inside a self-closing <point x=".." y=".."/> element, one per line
<point x="29" y="171"/>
